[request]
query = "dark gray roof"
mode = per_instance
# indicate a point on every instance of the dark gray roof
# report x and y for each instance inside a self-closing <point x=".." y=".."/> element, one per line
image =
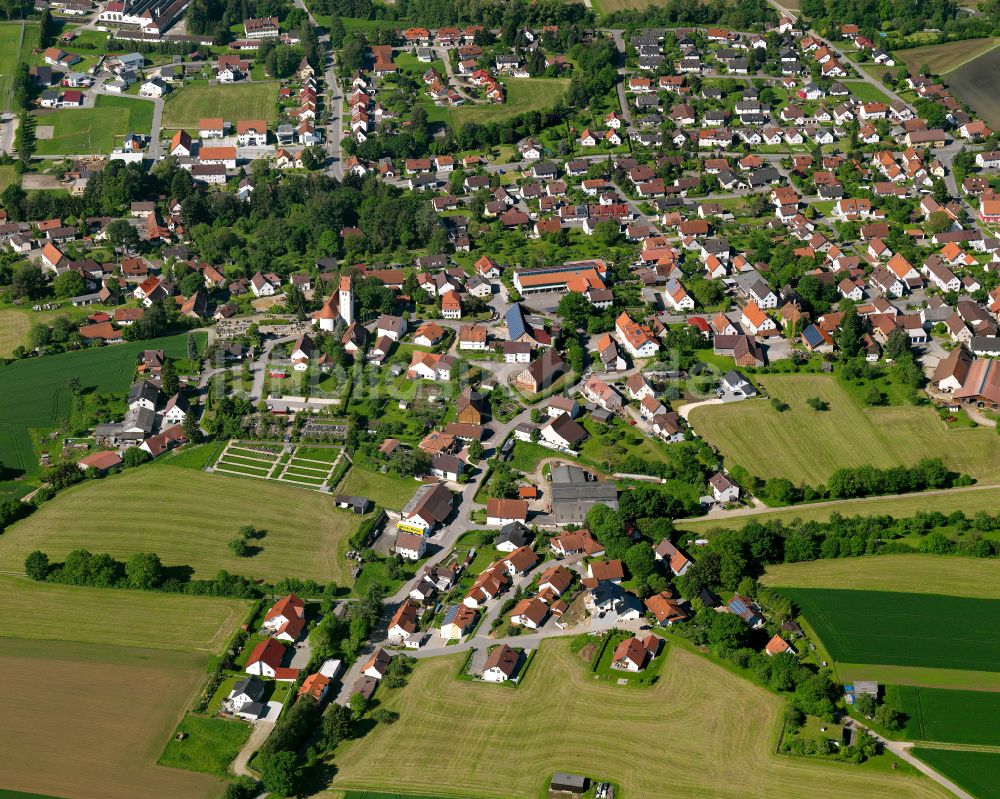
<point x="514" y="533"/>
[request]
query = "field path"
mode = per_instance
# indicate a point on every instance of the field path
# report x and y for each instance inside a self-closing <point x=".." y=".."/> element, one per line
<point x="901" y="749"/>
<point x="240" y="766"/>
<point x="729" y="514"/>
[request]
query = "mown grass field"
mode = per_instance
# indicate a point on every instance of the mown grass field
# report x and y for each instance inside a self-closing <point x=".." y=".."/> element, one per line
<point x="257" y="100"/>
<point x="974" y="83"/>
<point x="388" y="490"/>
<point x="33" y="392"/>
<point x="977" y="772"/>
<point x="718" y="731"/>
<point x="959" y="717"/>
<point x="14" y="323"/>
<point x="967" y="500"/>
<point x="806" y="445"/>
<point x="903" y="629"/>
<point x="88" y="721"/>
<point x="930" y="574"/>
<point x="865" y="92"/>
<point x="48" y="611"/>
<point x="11" y="50"/>
<point x="943" y="58"/>
<point x="8" y="177"/>
<point x="523" y="94"/>
<point x="188" y="518"/>
<point x="79" y="131"/>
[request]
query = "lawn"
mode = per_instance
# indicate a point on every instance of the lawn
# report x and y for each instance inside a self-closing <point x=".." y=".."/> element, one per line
<point x="806" y="445"/>
<point x="974" y="83"/>
<point x="523" y="95"/>
<point x="935" y="714"/>
<point x="188" y="518"/>
<point x="977" y="772"/>
<point x="184" y="107"/>
<point x="11" y="49"/>
<point x="903" y="629"/>
<point x="33" y="392"/>
<point x="865" y="92"/>
<point x="721" y="731"/>
<point x="943" y="58"/>
<point x="88" y="721"/>
<point x="209" y="746"/>
<point x="977" y="578"/>
<point x="388" y="490"/>
<point x="14" y="322"/>
<point x="967" y="500"/>
<point x="78" y="131"/>
<point x="48" y="611"/>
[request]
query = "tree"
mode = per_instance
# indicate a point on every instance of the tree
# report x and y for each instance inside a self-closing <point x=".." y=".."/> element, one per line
<point x="337" y="31"/>
<point x="385" y="716"/>
<point x="818" y="404"/>
<point x="728" y="632"/>
<point x="169" y="382"/>
<point x="135" y="457"/>
<point x="849" y="336"/>
<point x="68" y="284"/>
<point x="887" y="717"/>
<point x="939" y="222"/>
<point x="866" y="705"/>
<point x="192" y="348"/>
<point x="122" y="234"/>
<point x="358" y="704"/>
<point x="336" y="724"/>
<point x="46" y="28"/>
<point x="476" y="450"/>
<point x="36" y="565"/>
<point x="28" y="282"/>
<point x="144" y="570"/>
<point x="575" y="310"/>
<point x="240" y="548"/>
<point x="281" y="772"/>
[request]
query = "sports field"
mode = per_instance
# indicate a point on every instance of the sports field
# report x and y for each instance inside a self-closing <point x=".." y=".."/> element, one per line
<point x="184" y="107"/>
<point x="902" y="629"/>
<point x="523" y="95"/>
<point x="11" y="51"/>
<point x="974" y="83"/>
<point x="88" y="721"/>
<point x="79" y="131"/>
<point x="388" y="490"/>
<point x="188" y="518"/>
<point x="977" y="772"/>
<point x="33" y="392"/>
<point x="717" y="731"/>
<point x="806" y="445"/>
<point x="48" y="611"/>
<point x="978" y="578"/>
<point x="959" y="717"/>
<point x="969" y="500"/>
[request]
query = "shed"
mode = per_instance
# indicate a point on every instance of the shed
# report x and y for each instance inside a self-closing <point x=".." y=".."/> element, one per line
<point x="569" y="783"/>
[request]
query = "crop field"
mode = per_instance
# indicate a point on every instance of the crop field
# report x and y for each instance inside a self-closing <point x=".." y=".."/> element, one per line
<point x="88" y="721"/>
<point x="49" y="611"/>
<point x="959" y="717"/>
<point x="977" y="772"/>
<point x="78" y="131"/>
<point x="968" y="500"/>
<point x="721" y="731"/>
<point x="11" y="49"/>
<point x="257" y="100"/>
<point x="303" y="467"/>
<point x="33" y="392"/>
<point x="903" y="629"/>
<point x="943" y="58"/>
<point x="188" y="518"/>
<point x="806" y="445"/>
<point x="523" y="94"/>
<point x="974" y="83"/>
<point x="388" y="490"/>
<point x="928" y="574"/>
